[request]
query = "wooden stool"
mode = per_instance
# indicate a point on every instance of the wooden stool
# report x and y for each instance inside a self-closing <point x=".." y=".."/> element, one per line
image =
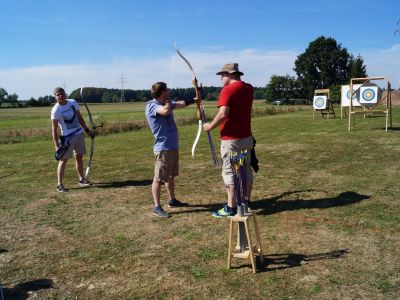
<point x="251" y="250"/>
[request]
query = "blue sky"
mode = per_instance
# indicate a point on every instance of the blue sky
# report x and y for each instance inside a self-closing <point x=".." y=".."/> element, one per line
<point x="73" y="43"/>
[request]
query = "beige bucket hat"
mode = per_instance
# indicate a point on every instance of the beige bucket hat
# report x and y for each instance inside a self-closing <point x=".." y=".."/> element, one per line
<point x="230" y="68"/>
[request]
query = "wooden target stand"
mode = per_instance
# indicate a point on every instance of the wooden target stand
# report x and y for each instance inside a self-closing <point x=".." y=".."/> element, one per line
<point x="386" y="100"/>
<point x="245" y="249"/>
<point x="328" y="111"/>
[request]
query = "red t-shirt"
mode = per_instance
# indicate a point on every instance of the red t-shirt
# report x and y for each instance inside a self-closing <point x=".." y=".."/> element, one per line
<point x="239" y="97"/>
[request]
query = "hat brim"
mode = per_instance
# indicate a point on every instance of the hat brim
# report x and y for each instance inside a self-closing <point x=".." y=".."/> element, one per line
<point x="222" y="72"/>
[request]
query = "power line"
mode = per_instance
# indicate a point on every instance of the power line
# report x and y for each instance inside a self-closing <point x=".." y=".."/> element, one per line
<point x="122" y="81"/>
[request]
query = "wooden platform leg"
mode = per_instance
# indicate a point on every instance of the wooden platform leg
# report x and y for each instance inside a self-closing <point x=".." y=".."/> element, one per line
<point x="251" y="253"/>
<point x="230" y="244"/>
<point x="259" y="248"/>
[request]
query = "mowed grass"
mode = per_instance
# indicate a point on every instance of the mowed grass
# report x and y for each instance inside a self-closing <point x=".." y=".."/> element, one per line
<point x="327" y="204"/>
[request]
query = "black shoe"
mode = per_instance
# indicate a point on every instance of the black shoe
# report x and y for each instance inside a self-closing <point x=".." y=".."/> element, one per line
<point x="84" y="182"/>
<point x="177" y="203"/>
<point x="61" y="189"/>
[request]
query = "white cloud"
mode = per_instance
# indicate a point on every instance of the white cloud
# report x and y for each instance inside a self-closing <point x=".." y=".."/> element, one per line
<point x="384" y="63"/>
<point x="257" y="65"/>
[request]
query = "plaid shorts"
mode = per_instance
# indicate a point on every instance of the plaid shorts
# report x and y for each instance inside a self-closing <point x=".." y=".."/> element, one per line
<point x="166" y="165"/>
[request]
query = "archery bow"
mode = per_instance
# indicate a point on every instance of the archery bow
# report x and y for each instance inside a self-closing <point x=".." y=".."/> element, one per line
<point x="201" y="115"/>
<point x="93" y="129"/>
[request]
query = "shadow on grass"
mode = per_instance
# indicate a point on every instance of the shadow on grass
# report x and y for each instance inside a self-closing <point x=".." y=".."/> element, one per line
<point x="116" y="184"/>
<point x="273" y="205"/>
<point x="23" y="290"/>
<point x="119" y="184"/>
<point x="274" y="262"/>
<point x="196" y="208"/>
<point x="3" y="250"/>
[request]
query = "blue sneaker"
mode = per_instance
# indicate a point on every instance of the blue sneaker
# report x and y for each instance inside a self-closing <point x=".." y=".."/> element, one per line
<point x="159" y="212"/>
<point x="225" y="212"/>
<point x="177" y="203"/>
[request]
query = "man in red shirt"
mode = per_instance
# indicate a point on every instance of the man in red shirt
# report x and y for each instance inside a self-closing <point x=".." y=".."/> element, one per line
<point x="234" y="121"/>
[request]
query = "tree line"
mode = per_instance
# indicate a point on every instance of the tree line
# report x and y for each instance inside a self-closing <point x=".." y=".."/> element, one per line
<point x="104" y="95"/>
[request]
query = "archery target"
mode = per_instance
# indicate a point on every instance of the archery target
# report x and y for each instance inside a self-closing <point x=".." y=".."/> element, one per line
<point x="345" y="95"/>
<point x="369" y="95"/>
<point x="319" y="102"/>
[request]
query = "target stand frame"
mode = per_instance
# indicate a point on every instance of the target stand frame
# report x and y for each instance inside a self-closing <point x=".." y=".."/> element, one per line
<point x="386" y="100"/>
<point x="328" y="111"/>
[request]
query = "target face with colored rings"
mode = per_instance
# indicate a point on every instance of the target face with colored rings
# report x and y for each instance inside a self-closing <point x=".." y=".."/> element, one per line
<point x="368" y="94"/>
<point x="319" y="102"/>
<point x="354" y="95"/>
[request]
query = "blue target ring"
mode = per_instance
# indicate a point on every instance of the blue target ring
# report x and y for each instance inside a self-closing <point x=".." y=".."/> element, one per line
<point x="319" y="102"/>
<point x="368" y="94"/>
<point x="354" y="95"/>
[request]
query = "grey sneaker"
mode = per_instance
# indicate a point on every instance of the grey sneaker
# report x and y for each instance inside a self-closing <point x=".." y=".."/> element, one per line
<point x="177" y="203"/>
<point x="159" y="212"/>
<point x="84" y="182"/>
<point x="61" y="189"/>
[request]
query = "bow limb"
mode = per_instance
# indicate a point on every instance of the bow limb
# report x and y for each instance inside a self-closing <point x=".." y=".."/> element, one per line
<point x="197" y="137"/>
<point x="201" y="113"/>
<point x="202" y="118"/>
<point x="93" y="129"/>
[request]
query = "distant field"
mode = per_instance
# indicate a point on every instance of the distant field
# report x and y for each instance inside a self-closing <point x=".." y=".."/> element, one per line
<point x="327" y="204"/>
<point x="19" y="124"/>
<point x="114" y="111"/>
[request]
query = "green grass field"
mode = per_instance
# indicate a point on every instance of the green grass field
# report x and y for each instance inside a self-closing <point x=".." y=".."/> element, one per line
<point x="327" y="204"/>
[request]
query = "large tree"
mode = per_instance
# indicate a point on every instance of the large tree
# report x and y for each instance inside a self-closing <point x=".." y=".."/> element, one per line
<point x="325" y="63"/>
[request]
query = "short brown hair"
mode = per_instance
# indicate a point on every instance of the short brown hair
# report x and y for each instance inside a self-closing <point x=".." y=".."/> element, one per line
<point x="59" y="90"/>
<point x="157" y="88"/>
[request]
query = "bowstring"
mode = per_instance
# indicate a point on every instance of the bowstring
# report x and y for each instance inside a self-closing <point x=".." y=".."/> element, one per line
<point x="172" y="77"/>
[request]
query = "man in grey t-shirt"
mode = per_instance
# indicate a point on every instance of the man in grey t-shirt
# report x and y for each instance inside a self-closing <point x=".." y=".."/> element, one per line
<point x="166" y="146"/>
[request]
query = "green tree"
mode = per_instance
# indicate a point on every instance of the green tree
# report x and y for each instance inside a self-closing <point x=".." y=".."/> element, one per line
<point x="325" y="63"/>
<point x="13" y="98"/>
<point x="357" y="68"/>
<point x="260" y="93"/>
<point x="282" y="87"/>
<point x="116" y="99"/>
<point x="108" y="96"/>
<point x="3" y="95"/>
